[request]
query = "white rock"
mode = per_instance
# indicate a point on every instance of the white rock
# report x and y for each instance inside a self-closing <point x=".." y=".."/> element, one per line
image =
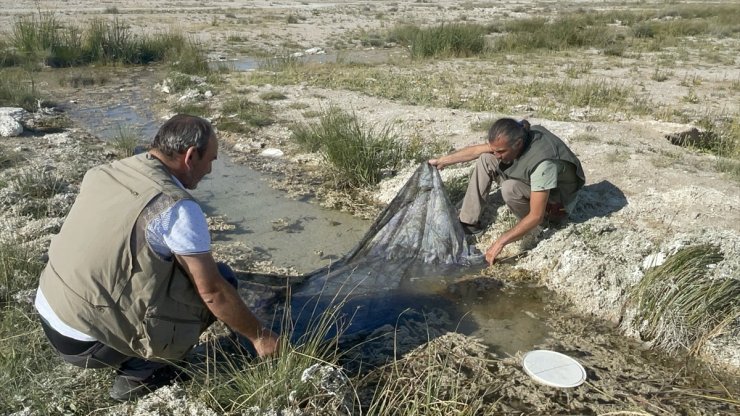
<point x="10" y="118"/>
<point x="272" y="152"/>
<point x="189" y="95"/>
<point x="653" y="260"/>
<point x="314" y="51"/>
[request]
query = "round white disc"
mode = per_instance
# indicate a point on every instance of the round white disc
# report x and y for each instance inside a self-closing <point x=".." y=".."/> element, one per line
<point x="553" y="368"/>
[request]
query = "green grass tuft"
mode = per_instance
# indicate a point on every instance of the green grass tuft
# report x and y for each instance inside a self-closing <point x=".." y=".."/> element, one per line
<point x="242" y="111"/>
<point x="126" y="142"/>
<point x="359" y="155"/>
<point x="679" y="303"/>
<point x="446" y="40"/>
<point x="18" y="89"/>
<point x="20" y="266"/>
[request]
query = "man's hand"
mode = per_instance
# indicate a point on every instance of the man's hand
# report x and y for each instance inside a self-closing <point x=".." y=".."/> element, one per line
<point x="493" y="251"/>
<point x="267" y="344"/>
<point x="437" y="163"/>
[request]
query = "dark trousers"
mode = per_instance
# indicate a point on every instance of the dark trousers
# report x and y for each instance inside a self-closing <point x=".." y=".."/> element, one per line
<point x="95" y="354"/>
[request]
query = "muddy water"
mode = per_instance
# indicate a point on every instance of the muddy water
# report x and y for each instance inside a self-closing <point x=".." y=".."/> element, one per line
<point x="291" y="233"/>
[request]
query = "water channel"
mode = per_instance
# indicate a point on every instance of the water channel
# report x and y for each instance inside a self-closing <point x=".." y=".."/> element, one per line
<point x="301" y="234"/>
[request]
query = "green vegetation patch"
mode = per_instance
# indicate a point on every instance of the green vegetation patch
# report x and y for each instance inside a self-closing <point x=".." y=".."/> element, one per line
<point x="359" y="155"/>
<point x="241" y="115"/>
<point x="20" y="265"/>
<point x="446" y="40"/>
<point x="18" y="89"/>
<point x="9" y="157"/>
<point x="679" y="304"/>
<point x="614" y="31"/>
<point x="235" y="382"/>
<point x="44" y="38"/>
<point x="126" y="142"/>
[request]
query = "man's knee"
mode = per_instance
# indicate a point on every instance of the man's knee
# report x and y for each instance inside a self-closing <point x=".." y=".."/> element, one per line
<point x="488" y="163"/>
<point x="513" y="190"/>
<point x="516" y="196"/>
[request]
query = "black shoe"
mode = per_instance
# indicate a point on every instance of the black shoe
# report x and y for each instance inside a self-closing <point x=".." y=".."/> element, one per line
<point x="472" y="229"/>
<point x="126" y="388"/>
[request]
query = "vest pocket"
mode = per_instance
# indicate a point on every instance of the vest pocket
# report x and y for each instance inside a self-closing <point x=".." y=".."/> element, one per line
<point x="169" y="338"/>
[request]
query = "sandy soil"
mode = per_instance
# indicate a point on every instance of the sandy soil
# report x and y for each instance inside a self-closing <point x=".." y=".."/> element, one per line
<point x="645" y="197"/>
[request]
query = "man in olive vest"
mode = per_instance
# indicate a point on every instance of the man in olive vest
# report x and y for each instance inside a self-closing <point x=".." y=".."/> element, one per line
<point x="538" y="174"/>
<point x="131" y="282"/>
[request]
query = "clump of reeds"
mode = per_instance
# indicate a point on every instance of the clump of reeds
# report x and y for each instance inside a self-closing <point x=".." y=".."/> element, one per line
<point x="281" y="62"/>
<point x="447" y="376"/>
<point x="38" y="183"/>
<point x="679" y="303"/>
<point x="446" y="40"/>
<point x="44" y="38"/>
<point x="357" y="153"/>
<point x="37" y="187"/>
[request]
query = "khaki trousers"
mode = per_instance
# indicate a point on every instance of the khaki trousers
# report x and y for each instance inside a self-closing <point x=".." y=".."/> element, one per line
<point x="515" y="193"/>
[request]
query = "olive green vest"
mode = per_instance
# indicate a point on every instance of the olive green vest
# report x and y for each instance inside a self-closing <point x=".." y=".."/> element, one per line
<point x="543" y="146"/>
<point x="104" y="280"/>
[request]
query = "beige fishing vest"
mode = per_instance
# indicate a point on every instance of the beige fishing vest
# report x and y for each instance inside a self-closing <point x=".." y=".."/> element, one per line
<point x="103" y="279"/>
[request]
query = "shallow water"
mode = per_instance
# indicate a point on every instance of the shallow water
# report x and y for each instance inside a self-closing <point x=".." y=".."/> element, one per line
<point x="289" y="232"/>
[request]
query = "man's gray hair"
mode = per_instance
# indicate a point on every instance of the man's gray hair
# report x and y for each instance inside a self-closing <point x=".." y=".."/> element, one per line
<point x="182" y="132"/>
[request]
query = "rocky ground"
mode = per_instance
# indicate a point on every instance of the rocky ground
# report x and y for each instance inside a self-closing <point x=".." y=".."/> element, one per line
<point x="645" y="196"/>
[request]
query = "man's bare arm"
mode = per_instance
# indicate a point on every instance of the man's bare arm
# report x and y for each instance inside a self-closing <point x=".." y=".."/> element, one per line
<point x="537" y="209"/>
<point x="465" y="154"/>
<point x="224" y="302"/>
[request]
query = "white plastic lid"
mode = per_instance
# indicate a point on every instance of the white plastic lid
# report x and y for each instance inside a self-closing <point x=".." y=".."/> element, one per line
<point x="553" y="369"/>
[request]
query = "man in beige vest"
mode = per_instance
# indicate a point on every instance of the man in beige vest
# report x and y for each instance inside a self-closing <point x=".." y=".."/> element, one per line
<point x="131" y="282"/>
<point x="538" y="174"/>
